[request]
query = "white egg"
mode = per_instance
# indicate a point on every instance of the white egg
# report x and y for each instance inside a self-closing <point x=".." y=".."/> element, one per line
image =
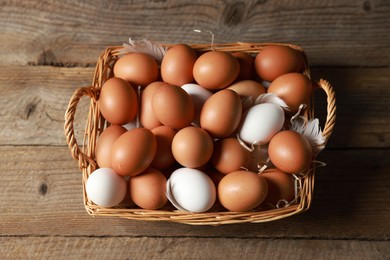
<point x="105" y="187"/>
<point x="191" y="190"/>
<point x="261" y="122"/>
<point x="199" y="95"/>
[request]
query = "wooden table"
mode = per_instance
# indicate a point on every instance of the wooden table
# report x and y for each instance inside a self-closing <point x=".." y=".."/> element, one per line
<point x="49" y="48"/>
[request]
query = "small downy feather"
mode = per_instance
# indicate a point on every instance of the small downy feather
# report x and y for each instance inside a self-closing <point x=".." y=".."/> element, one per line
<point x="145" y="46"/>
<point x="271" y="98"/>
<point x="311" y="130"/>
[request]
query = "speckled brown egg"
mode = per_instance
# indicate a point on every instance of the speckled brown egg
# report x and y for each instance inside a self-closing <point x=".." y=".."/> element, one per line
<point x="294" y="88"/>
<point x="173" y="106"/>
<point x="290" y="152"/>
<point x="147" y="190"/>
<point x="221" y="113"/>
<point x="177" y="65"/>
<point x="118" y="101"/>
<point x="216" y="69"/>
<point x="140" y="69"/>
<point x="192" y="147"/>
<point x="104" y="144"/>
<point x="274" y="61"/>
<point x="242" y="191"/>
<point x="281" y="186"/>
<point x="133" y="152"/>
<point x="229" y="156"/>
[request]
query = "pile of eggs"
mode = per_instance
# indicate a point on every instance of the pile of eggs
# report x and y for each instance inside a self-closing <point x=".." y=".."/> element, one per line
<point x="179" y="132"/>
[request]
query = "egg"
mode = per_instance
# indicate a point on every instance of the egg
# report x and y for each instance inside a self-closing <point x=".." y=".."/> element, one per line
<point x="230" y="156"/>
<point x="127" y="202"/>
<point x="216" y="69"/>
<point x="173" y="107"/>
<point x="105" y="187"/>
<point x="199" y="95"/>
<point x="221" y="113"/>
<point x="133" y="152"/>
<point x="294" y="88"/>
<point x="261" y="123"/>
<point x="274" y="61"/>
<point x="118" y="101"/>
<point x="164" y="157"/>
<point x="191" y="190"/>
<point x="242" y="191"/>
<point x="247" y="88"/>
<point x="177" y="65"/>
<point x="139" y="69"/>
<point x="147" y="189"/>
<point x="247" y="67"/>
<point x="281" y="186"/>
<point x="104" y="144"/>
<point x="290" y="152"/>
<point x="192" y="147"/>
<point x="147" y="117"/>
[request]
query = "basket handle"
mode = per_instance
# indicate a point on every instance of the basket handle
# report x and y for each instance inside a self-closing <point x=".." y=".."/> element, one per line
<point x="331" y="108"/>
<point x="74" y="148"/>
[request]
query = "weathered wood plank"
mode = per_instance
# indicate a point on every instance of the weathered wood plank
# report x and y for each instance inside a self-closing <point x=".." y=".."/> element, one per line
<point x="41" y="195"/>
<point x="363" y="113"/>
<point x="188" y="248"/>
<point x="341" y="33"/>
<point x="33" y="101"/>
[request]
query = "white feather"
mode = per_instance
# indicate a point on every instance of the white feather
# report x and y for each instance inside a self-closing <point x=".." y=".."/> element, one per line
<point x="145" y="46"/>
<point x="271" y="98"/>
<point x="311" y="130"/>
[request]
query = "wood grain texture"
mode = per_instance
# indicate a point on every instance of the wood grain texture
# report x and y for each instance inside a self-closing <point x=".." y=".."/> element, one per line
<point x="33" y="100"/>
<point x="41" y="194"/>
<point x="49" y="49"/>
<point x="187" y="248"/>
<point x="73" y="33"/>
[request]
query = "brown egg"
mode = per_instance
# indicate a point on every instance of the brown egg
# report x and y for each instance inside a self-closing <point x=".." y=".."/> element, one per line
<point x="164" y="157"/>
<point x="221" y="113"/>
<point x="147" y="190"/>
<point x="192" y="147"/>
<point x="216" y="69"/>
<point x="274" y="61"/>
<point x="247" y="67"/>
<point x="247" y="88"/>
<point x="139" y="69"/>
<point x="118" y="101"/>
<point x="294" y="88"/>
<point x="230" y="156"/>
<point x="290" y="152"/>
<point x="173" y="107"/>
<point x="104" y="144"/>
<point x="133" y="152"/>
<point x="242" y="191"/>
<point x="281" y="186"/>
<point x="177" y="65"/>
<point x="147" y="116"/>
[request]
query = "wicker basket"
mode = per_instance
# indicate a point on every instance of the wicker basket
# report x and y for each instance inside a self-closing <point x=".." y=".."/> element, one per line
<point x="96" y="123"/>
